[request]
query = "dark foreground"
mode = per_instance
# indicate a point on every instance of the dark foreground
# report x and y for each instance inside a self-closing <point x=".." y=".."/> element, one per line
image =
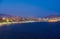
<point x="42" y="30"/>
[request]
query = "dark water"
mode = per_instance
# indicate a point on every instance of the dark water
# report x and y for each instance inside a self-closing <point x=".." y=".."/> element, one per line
<point x="42" y="30"/>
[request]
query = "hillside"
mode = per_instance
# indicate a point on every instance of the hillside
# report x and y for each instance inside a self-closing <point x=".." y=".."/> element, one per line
<point x="52" y="16"/>
<point x="5" y="15"/>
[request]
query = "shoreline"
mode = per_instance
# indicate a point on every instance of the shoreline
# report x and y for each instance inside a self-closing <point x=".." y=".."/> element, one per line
<point x="8" y="23"/>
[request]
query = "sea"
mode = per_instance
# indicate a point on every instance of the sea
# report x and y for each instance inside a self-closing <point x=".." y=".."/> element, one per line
<point x="35" y="30"/>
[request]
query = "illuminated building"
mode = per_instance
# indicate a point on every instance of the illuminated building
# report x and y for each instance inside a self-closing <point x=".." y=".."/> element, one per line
<point x="52" y="20"/>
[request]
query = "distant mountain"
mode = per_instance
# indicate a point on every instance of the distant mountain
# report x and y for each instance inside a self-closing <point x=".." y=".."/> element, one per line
<point x="5" y="15"/>
<point x="52" y="16"/>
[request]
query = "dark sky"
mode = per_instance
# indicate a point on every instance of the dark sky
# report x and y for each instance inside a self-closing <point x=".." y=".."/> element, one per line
<point x="37" y="8"/>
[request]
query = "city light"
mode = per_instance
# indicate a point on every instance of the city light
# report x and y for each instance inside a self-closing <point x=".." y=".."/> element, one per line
<point x="12" y="20"/>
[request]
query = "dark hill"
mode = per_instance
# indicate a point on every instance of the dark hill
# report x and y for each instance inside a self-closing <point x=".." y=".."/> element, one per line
<point x="52" y="16"/>
<point x="5" y="15"/>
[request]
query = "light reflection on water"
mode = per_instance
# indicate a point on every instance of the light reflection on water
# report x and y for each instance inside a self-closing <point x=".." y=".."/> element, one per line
<point x="4" y="25"/>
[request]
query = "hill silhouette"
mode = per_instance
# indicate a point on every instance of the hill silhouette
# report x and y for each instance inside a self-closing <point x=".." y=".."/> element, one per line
<point x="52" y="16"/>
<point x="5" y="15"/>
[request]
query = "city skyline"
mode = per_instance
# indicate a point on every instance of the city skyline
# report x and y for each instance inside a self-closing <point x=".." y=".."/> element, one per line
<point x="9" y="19"/>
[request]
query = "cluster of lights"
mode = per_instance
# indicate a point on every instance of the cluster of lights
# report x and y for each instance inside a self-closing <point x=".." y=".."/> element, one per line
<point x="7" y="20"/>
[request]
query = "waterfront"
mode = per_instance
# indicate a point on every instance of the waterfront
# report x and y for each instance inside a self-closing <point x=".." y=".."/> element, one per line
<point x="35" y="30"/>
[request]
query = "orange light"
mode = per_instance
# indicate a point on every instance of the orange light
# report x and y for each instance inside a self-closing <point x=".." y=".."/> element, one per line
<point x="52" y="20"/>
<point x="1" y="24"/>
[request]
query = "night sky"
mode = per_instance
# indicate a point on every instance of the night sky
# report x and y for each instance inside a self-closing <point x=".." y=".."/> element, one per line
<point x="37" y="8"/>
